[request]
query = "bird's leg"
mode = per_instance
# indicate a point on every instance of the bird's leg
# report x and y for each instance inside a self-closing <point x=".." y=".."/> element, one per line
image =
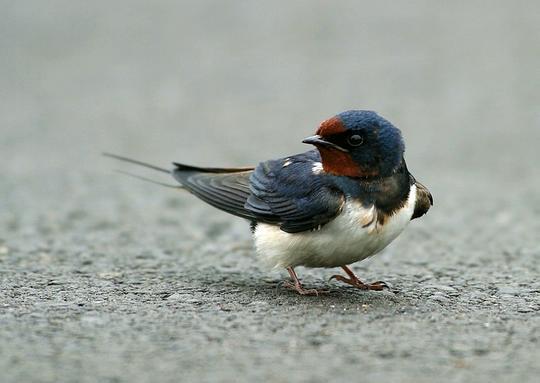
<point x="354" y="281"/>
<point x="297" y="286"/>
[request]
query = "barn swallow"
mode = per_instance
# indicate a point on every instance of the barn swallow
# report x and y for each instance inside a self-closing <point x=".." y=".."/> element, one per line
<point x="332" y="206"/>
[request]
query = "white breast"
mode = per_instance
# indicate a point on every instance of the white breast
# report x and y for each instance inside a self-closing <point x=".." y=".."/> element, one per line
<point x="352" y="236"/>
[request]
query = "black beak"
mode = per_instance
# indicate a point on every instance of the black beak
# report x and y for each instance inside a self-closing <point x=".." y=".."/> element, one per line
<point x="320" y="141"/>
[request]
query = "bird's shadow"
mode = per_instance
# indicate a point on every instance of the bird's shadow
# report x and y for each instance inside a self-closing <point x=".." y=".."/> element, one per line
<point x="237" y="285"/>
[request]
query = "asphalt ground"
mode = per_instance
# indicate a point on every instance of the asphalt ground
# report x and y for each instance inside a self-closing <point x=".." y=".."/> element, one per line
<point x="105" y="278"/>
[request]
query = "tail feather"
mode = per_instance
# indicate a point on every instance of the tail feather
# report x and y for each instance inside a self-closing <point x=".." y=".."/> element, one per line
<point x="190" y="168"/>
<point x="132" y="161"/>
<point x="148" y="180"/>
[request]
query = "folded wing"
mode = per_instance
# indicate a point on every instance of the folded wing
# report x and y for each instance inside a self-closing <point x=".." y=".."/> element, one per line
<point x="290" y="196"/>
<point x="289" y="193"/>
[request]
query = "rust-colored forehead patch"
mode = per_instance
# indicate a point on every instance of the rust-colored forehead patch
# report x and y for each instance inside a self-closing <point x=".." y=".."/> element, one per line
<point x="331" y="126"/>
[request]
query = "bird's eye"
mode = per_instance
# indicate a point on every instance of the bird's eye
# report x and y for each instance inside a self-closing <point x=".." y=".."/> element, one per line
<point x="355" y="140"/>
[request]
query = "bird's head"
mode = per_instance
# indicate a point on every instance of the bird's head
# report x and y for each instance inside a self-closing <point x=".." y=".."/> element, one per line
<point x="358" y="143"/>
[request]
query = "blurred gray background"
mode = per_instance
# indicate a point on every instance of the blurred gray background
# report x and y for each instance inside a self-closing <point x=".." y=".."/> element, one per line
<point x="105" y="278"/>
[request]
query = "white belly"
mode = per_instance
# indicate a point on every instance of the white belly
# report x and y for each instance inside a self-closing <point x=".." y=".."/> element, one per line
<point x="343" y="241"/>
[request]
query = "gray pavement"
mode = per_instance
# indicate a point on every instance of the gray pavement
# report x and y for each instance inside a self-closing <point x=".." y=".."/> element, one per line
<point x="105" y="278"/>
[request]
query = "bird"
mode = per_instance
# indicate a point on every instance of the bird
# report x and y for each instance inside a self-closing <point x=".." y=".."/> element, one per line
<point x="339" y="203"/>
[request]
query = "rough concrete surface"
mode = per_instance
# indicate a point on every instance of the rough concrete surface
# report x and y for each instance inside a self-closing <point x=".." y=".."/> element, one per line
<point x="105" y="278"/>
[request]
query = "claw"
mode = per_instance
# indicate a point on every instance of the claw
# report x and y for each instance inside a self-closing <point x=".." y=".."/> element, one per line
<point x="380" y="283"/>
<point x="335" y="276"/>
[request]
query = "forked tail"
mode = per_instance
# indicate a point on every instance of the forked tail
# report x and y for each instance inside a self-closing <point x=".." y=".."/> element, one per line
<point x="140" y="163"/>
<point x="144" y="164"/>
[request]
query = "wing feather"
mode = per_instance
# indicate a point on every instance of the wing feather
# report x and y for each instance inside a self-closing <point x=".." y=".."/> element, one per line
<point x="225" y="189"/>
<point x="424" y="200"/>
<point x="292" y="197"/>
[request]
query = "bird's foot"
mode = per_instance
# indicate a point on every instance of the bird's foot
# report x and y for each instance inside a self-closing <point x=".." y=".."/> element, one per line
<point x="297" y="286"/>
<point x="354" y="281"/>
<point x="300" y="289"/>
<point x="376" y="286"/>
